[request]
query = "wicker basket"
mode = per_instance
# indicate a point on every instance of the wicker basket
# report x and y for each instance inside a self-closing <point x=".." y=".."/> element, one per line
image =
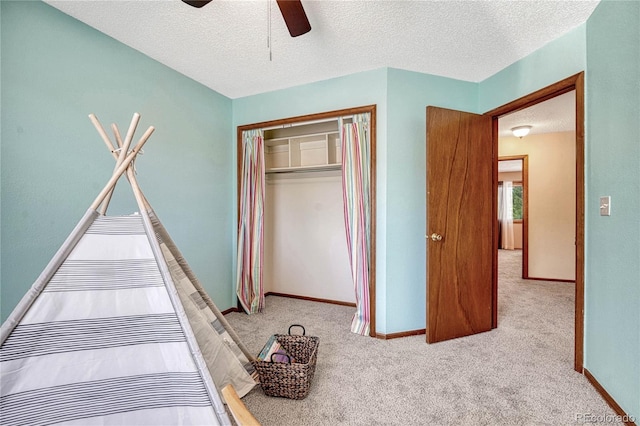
<point x="293" y="379"/>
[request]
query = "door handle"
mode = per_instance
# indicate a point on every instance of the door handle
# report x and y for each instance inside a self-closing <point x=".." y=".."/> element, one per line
<point x="436" y="237"/>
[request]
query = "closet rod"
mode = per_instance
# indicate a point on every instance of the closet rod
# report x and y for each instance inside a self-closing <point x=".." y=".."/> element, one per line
<point x="305" y="169"/>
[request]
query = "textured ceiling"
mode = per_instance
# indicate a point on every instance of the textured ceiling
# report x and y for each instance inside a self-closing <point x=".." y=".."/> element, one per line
<point x="224" y="44"/>
<point x="555" y="115"/>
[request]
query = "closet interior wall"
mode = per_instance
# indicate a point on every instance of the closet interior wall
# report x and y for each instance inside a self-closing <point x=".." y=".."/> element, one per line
<point x="305" y="249"/>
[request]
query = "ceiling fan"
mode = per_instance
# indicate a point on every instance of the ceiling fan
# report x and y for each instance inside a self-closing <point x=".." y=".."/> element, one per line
<point x="292" y="12"/>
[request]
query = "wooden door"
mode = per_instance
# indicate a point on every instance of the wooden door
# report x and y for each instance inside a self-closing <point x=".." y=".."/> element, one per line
<point x="459" y="224"/>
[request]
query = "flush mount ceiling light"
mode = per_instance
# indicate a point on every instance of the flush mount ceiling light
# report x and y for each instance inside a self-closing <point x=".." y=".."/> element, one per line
<point x="521" y="131"/>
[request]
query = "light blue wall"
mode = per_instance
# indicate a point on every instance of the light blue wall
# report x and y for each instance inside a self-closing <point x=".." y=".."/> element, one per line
<point x="612" y="288"/>
<point x="55" y="71"/>
<point x="409" y="93"/>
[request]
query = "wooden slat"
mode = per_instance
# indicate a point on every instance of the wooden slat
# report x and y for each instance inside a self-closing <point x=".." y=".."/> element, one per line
<point x="239" y="411"/>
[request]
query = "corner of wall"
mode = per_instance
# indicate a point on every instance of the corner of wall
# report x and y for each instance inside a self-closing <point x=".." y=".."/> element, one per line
<point x="558" y="59"/>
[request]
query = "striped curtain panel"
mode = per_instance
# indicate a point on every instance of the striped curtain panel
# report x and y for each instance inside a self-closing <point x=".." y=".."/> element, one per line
<point x="249" y="286"/>
<point x="355" y="189"/>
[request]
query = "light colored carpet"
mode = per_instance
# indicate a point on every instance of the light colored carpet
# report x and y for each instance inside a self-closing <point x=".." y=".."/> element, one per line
<point x="518" y="374"/>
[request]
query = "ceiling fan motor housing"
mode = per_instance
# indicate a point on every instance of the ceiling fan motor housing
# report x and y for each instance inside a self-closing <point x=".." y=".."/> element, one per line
<point x="291" y="10"/>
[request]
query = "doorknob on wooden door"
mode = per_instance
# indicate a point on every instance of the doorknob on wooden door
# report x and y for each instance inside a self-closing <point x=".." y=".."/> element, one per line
<point x="436" y="237"/>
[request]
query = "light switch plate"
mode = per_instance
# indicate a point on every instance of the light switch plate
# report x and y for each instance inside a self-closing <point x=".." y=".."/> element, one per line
<point x="605" y="206"/>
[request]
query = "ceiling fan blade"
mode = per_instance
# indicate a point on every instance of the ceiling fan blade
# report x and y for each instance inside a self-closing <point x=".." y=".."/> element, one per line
<point x="294" y="16"/>
<point x="196" y="3"/>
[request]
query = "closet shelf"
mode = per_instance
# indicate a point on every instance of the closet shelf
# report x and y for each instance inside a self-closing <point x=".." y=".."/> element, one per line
<point x="306" y="148"/>
<point x="285" y="139"/>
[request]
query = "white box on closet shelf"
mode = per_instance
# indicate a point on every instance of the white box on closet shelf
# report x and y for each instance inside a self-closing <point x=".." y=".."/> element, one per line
<point x="313" y="150"/>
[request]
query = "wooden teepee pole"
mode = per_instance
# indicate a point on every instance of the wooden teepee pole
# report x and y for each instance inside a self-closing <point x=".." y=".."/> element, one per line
<point x="131" y="176"/>
<point x="121" y="168"/>
<point x="124" y="148"/>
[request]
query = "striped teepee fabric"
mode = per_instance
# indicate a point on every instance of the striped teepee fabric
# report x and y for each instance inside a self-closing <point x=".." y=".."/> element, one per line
<point x="96" y="348"/>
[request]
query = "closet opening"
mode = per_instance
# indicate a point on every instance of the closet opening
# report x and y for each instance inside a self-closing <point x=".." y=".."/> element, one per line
<point x="305" y="250"/>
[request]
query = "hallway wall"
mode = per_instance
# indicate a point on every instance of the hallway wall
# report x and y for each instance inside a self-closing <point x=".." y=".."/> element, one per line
<point x="552" y="201"/>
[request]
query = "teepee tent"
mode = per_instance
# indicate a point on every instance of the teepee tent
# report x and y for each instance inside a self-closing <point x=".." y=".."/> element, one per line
<point x="117" y="329"/>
